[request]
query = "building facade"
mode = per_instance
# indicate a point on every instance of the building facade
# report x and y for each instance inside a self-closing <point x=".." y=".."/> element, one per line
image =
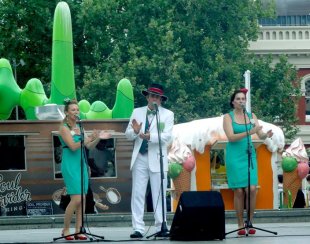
<point x="289" y="34"/>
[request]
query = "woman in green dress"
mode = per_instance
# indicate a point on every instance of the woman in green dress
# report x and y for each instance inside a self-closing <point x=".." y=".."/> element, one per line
<point x="236" y="124"/>
<point x="70" y="138"/>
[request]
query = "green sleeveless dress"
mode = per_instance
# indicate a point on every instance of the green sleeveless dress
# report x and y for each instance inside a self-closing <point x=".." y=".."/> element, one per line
<point x="71" y="167"/>
<point x="237" y="158"/>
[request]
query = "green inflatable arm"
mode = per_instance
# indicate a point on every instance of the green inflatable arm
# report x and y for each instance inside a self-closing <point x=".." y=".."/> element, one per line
<point x="32" y="96"/>
<point x="9" y="90"/>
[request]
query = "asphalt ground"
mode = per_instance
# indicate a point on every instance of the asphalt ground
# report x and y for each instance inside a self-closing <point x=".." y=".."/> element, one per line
<point x="298" y="233"/>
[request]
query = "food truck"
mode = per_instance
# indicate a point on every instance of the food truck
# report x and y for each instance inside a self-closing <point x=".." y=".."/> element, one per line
<point x="30" y="174"/>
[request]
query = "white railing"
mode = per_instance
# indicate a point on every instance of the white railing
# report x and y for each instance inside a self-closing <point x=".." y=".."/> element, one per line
<point x="289" y="40"/>
<point x="277" y="33"/>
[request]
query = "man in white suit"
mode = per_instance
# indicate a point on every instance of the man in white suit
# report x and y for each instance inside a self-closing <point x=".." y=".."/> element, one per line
<point x="145" y="162"/>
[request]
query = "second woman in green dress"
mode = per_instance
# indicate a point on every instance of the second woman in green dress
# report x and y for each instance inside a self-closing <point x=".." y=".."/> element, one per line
<point x="239" y="125"/>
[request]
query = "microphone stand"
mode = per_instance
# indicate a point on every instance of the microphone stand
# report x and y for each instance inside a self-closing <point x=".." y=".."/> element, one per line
<point x="164" y="232"/>
<point x="248" y="225"/>
<point x="83" y="154"/>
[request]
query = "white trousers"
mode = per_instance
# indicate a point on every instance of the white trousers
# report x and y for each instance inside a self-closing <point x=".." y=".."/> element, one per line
<point x="140" y="176"/>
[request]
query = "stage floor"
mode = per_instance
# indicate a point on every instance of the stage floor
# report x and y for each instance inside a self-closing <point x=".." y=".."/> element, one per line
<point x="287" y="233"/>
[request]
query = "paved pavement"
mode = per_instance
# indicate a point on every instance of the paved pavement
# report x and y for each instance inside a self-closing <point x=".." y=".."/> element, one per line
<point x="298" y="233"/>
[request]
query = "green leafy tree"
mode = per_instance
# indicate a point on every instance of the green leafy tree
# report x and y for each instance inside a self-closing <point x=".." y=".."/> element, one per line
<point x="198" y="49"/>
<point x="276" y="101"/>
<point x="26" y="33"/>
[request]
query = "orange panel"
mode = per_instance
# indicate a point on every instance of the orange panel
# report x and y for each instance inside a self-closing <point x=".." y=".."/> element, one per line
<point x="203" y="170"/>
<point x="265" y="179"/>
<point x="228" y="198"/>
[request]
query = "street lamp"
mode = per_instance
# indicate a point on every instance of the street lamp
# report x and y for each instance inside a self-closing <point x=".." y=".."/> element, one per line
<point x="15" y="65"/>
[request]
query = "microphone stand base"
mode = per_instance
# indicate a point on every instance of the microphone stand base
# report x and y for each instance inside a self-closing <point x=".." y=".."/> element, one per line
<point x="248" y="225"/>
<point x="163" y="233"/>
<point x="89" y="236"/>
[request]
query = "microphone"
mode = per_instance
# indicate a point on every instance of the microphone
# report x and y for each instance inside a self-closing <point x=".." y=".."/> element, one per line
<point x="243" y="106"/>
<point x="155" y="105"/>
<point x="77" y="118"/>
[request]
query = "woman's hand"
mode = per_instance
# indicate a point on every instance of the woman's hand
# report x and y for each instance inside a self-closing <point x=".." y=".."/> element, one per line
<point x="255" y="129"/>
<point x="269" y="134"/>
<point x="263" y="135"/>
<point x="94" y="135"/>
<point x="77" y="131"/>
<point x="104" y="135"/>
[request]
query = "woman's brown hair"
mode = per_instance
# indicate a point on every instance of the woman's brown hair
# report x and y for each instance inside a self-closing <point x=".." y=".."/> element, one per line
<point x="67" y="103"/>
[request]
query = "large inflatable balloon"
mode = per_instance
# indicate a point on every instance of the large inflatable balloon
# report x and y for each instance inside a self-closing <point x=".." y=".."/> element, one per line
<point x="289" y="164"/>
<point x="99" y="110"/>
<point x="84" y="106"/>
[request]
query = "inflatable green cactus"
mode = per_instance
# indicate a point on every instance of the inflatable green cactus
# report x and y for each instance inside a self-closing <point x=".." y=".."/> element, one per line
<point x="99" y="110"/>
<point x="124" y="95"/>
<point x="9" y="90"/>
<point x="33" y="95"/>
<point x="63" y="85"/>
<point x="62" y="82"/>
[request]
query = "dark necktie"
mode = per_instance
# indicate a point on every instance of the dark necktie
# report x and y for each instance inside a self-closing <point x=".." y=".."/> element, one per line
<point x="144" y="145"/>
<point x="149" y="112"/>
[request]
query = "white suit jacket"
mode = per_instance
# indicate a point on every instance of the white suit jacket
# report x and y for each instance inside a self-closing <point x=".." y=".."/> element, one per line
<point x="166" y="119"/>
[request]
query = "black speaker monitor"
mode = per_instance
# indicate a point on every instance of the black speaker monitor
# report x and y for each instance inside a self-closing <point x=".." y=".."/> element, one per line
<point x="199" y="216"/>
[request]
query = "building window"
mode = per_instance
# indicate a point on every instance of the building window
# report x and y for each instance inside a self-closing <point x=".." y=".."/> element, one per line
<point x="289" y="20"/>
<point x="12" y="151"/>
<point x="307" y="97"/>
<point x="305" y="92"/>
<point x="101" y="159"/>
<point x="281" y="35"/>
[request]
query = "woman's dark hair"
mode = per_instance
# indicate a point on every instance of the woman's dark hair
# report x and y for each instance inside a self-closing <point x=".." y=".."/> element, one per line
<point x="232" y="98"/>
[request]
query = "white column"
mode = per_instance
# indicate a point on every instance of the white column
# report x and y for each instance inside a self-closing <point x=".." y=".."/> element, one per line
<point x="247" y="79"/>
